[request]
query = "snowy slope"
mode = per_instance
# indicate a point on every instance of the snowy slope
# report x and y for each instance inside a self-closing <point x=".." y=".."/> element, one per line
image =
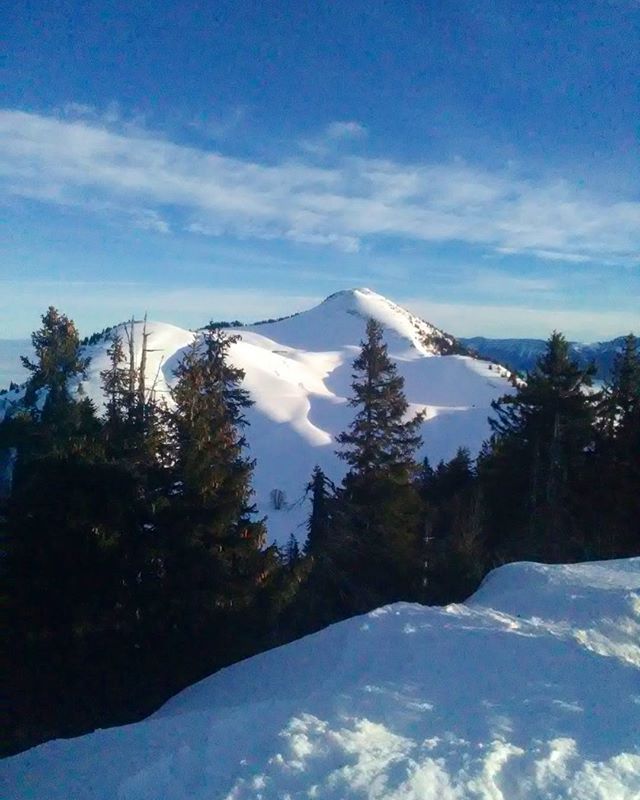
<point x="531" y="690"/>
<point x="298" y="371"/>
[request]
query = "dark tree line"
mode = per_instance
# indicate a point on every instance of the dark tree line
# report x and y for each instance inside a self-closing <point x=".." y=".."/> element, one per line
<point x="133" y="560"/>
<point x="558" y="480"/>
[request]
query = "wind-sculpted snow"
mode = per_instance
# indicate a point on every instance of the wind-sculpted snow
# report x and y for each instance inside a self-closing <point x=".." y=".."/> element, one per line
<point x="531" y="689"/>
<point x="299" y="372"/>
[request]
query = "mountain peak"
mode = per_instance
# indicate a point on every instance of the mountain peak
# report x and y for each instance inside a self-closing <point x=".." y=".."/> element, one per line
<point x="350" y="293"/>
<point x="399" y="323"/>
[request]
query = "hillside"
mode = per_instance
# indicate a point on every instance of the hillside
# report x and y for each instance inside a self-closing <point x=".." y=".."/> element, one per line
<point x="298" y="372"/>
<point x="527" y="690"/>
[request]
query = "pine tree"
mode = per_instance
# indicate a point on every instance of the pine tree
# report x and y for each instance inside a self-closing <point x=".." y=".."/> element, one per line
<point x="541" y="435"/>
<point x="216" y="561"/>
<point x="454" y="557"/>
<point x="115" y="386"/>
<point x="620" y="406"/>
<point x="379" y="440"/>
<point x="612" y="486"/>
<point x="58" y="359"/>
<point x="377" y="507"/>
<point x="136" y="444"/>
<point x="292" y="552"/>
<point x="319" y="522"/>
<point x="134" y="418"/>
<point x="59" y="569"/>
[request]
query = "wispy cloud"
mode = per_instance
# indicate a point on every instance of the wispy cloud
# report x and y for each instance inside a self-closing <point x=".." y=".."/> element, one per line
<point x="346" y="130"/>
<point x="334" y="137"/>
<point x="350" y="203"/>
<point x="111" y="116"/>
<point x="502" y="284"/>
<point x="218" y="127"/>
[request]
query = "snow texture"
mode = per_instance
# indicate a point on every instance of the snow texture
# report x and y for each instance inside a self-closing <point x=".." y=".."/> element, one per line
<point x="299" y="372"/>
<point x="531" y="689"/>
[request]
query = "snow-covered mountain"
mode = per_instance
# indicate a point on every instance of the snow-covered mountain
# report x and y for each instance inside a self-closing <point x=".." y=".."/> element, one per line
<point x="298" y="371"/>
<point x="529" y="690"/>
<point x="521" y="355"/>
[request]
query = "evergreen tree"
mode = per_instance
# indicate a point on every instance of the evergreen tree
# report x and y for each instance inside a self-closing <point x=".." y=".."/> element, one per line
<point x="319" y="522"/>
<point x="54" y="436"/>
<point x="379" y="440"/>
<point x="136" y="444"/>
<point x="620" y="406"/>
<point x="135" y="422"/>
<point x="454" y="550"/>
<point x="60" y="574"/>
<point x="612" y="485"/>
<point x="58" y="359"/>
<point x="54" y="418"/>
<point x="292" y="552"/>
<point x="541" y="435"/>
<point x="377" y="507"/>
<point x="115" y="383"/>
<point x="215" y="557"/>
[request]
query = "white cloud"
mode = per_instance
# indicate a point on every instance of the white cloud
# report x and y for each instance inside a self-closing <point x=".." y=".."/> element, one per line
<point x="149" y="220"/>
<point x="333" y="137"/>
<point x="353" y="201"/>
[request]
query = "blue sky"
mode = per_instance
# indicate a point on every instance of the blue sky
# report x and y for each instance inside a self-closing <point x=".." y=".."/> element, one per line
<point x="476" y="160"/>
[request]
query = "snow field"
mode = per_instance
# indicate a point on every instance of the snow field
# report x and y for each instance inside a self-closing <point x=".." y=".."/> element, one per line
<point x="531" y="689"/>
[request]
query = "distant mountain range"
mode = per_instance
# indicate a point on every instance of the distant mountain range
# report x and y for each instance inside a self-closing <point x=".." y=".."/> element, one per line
<point x="521" y="355"/>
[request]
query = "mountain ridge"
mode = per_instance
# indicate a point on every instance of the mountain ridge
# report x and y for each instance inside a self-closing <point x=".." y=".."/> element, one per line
<point x="298" y="372"/>
<point x="520" y="355"/>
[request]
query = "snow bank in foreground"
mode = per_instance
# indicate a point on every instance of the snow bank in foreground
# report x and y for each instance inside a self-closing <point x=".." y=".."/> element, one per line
<point x="531" y="689"/>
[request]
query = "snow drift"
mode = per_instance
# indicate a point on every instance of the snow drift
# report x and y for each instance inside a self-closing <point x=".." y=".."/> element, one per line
<point x="531" y="689"/>
<point x="299" y="370"/>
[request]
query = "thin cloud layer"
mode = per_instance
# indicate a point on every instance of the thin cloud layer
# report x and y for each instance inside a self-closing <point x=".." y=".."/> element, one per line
<point x="352" y="203"/>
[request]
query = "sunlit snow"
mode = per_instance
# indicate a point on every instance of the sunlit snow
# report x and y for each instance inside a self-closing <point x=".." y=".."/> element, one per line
<point x="299" y="372"/>
<point x="531" y="689"/>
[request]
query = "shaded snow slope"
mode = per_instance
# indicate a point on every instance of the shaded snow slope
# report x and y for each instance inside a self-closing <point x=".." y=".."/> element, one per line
<point x="531" y="689"/>
<point x="299" y="372"/>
